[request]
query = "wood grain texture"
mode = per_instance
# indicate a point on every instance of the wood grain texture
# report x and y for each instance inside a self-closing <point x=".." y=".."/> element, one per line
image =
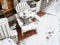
<point x="40" y="13"/>
<point x="29" y="33"/>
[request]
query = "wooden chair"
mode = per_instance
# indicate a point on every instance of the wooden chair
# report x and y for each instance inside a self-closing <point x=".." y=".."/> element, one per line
<point x="5" y="31"/>
<point x="23" y="31"/>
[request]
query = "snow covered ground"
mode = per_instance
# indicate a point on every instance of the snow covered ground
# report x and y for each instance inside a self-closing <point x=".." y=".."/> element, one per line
<point x="48" y="32"/>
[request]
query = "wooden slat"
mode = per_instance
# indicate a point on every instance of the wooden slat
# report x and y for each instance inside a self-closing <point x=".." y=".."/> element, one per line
<point x="40" y="13"/>
<point x="29" y="33"/>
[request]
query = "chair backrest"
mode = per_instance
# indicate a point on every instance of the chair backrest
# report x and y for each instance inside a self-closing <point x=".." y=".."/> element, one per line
<point x="22" y="6"/>
<point x="4" y="28"/>
<point x="38" y="6"/>
<point x="25" y="6"/>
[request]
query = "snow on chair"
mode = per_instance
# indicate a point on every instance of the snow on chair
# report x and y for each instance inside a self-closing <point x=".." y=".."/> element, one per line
<point x="5" y="31"/>
<point x="28" y="30"/>
<point x="22" y="6"/>
<point x="23" y="10"/>
<point x="37" y="7"/>
<point x="25" y="6"/>
<point x="30" y="26"/>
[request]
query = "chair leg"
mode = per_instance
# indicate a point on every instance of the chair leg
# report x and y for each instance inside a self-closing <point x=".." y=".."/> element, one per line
<point x="19" y="32"/>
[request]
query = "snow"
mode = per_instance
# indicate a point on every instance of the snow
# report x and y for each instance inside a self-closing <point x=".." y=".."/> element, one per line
<point x="53" y="8"/>
<point x="48" y="23"/>
<point x="7" y="41"/>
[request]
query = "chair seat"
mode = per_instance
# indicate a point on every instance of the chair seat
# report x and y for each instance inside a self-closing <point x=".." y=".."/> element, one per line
<point x="29" y="27"/>
<point x="13" y="33"/>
